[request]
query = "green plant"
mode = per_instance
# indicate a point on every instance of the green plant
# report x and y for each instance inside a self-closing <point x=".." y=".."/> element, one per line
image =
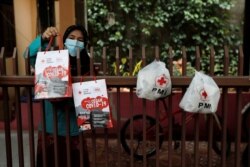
<point x="123" y="67"/>
<point x="172" y="23"/>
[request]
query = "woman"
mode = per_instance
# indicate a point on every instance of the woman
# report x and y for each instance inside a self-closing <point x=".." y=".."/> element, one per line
<point x="74" y="37"/>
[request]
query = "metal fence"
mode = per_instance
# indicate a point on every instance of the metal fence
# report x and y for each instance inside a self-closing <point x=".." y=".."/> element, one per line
<point x="228" y="141"/>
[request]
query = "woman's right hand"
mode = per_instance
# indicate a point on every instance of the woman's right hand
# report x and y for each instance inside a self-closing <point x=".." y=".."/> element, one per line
<point x="50" y="31"/>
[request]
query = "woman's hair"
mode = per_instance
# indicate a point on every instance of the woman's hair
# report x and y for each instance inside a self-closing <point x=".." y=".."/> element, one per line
<point x="84" y="58"/>
<point x="76" y="27"/>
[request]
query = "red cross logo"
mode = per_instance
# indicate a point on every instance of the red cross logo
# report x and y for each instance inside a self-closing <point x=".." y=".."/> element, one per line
<point x="161" y="81"/>
<point x="203" y="94"/>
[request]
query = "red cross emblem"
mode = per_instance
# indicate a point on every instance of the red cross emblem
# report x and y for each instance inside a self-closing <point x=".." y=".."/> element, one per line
<point x="203" y="94"/>
<point x="161" y="81"/>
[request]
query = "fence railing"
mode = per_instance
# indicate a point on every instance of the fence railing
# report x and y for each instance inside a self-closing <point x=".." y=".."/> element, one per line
<point x="22" y="115"/>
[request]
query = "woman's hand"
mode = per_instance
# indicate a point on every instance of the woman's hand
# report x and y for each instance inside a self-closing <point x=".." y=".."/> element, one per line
<point x="50" y="31"/>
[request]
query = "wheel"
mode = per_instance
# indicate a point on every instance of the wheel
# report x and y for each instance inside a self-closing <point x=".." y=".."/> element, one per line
<point x="217" y="136"/>
<point x="137" y="143"/>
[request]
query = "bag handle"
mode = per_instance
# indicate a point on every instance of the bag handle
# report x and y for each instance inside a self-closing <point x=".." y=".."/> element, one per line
<point x="59" y="41"/>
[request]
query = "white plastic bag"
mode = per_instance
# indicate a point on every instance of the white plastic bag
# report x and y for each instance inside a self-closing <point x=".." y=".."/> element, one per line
<point x="153" y="81"/>
<point x="202" y="95"/>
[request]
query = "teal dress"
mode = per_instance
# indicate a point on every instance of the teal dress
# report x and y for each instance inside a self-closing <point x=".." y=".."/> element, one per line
<point x="59" y="106"/>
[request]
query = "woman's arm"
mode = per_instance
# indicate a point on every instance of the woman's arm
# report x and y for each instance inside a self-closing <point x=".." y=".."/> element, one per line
<point x="34" y="47"/>
<point x="41" y="41"/>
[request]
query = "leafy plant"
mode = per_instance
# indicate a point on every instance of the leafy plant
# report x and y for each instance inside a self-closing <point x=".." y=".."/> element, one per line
<point x="172" y="23"/>
<point x="123" y="68"/>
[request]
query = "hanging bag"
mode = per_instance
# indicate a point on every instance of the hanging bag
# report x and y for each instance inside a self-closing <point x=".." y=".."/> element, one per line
<point x="52" y="73"/>
<point x="202" y="95"/>
<point x="92" y="104"/>
<point x="153" y="81"/>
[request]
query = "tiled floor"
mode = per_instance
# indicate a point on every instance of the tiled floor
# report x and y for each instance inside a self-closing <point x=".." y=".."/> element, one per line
<point x="14" y="147"/>
<point x="125" y="158"/>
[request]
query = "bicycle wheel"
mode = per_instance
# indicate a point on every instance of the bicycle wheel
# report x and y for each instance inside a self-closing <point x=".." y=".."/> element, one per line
<point x="135" y="145"/>
<point x="217" y="136"/>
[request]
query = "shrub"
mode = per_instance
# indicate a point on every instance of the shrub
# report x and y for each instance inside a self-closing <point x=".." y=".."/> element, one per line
<point x="173" y="23"/>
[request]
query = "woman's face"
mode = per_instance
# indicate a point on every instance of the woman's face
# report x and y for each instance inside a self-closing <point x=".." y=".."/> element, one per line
<point x="76" y="35"/>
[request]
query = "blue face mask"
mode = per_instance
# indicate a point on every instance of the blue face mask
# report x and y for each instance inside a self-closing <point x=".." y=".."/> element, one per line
<point x="72" y="45"/>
